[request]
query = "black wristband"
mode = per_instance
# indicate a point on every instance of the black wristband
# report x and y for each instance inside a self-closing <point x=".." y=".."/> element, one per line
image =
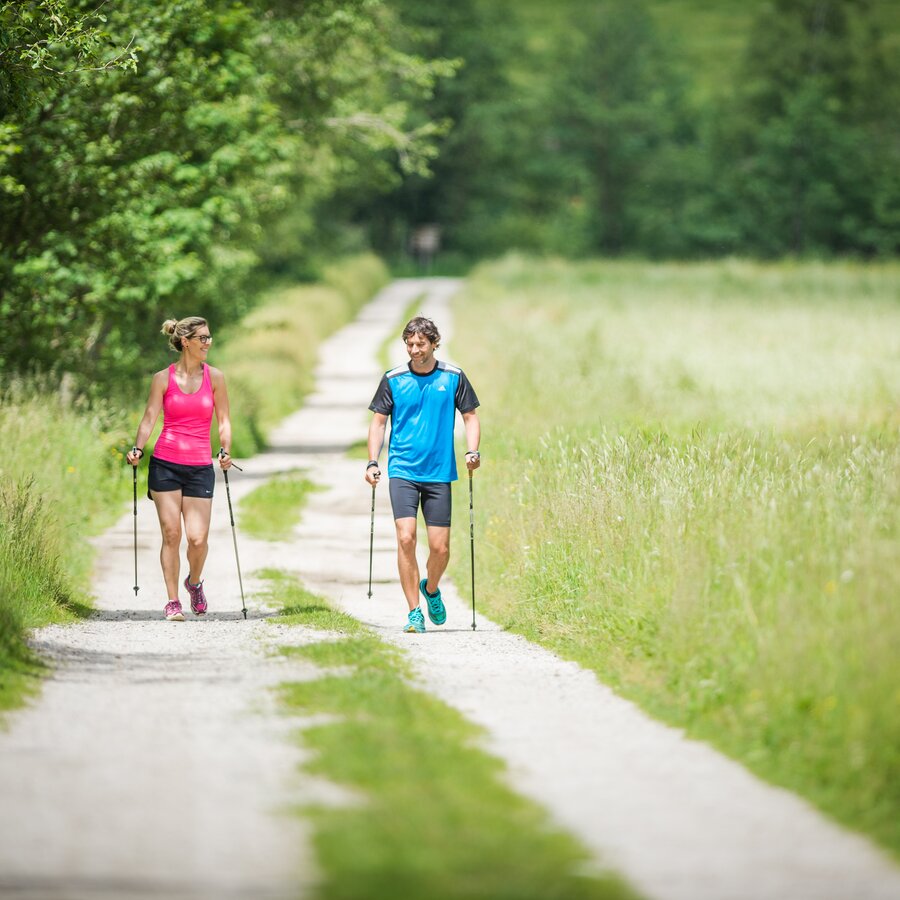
<point x="473" y="453"/>
<point x="139" y="450"/>
<point x="372" y="462"/>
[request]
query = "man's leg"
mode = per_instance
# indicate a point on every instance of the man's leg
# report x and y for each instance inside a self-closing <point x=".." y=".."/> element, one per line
<point x="168" y="508"/>
<point x="407" y="565"/>
<point x="437" y="501"/>
<point x="438" y="556"/>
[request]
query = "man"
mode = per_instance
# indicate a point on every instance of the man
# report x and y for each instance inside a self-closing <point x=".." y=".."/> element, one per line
<point x="421" y="399"/>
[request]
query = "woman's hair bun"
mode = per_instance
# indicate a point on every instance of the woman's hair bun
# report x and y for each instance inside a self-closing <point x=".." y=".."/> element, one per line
<point x="168" y="327"/>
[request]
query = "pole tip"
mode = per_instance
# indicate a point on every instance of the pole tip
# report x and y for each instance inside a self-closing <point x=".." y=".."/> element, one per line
<point x="136" y="589"/>
<point x="245" y="613"/>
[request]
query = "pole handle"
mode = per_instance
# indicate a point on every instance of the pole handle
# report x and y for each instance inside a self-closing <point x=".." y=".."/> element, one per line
<point x="222" y="454"/>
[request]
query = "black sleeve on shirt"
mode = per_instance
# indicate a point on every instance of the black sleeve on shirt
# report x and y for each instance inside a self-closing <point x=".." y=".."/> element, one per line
<point x="466" y="400"/>
<point x="383" y="401"/>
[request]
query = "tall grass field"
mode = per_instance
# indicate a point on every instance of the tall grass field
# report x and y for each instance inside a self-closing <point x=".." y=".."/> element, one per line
<point x="691" y="484"/>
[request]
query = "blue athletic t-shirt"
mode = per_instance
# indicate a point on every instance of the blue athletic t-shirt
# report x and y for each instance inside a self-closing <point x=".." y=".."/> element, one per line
<point x="423" y="412"/>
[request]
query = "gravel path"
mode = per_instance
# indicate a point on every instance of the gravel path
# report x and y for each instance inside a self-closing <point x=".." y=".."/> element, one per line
<point x="155" y="764"/>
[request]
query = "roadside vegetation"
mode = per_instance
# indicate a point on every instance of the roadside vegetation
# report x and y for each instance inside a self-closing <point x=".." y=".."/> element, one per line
<point x="429" y="814"/>
<point x="62" y="479"/>
<point x="691" y="481"/>
<point x="62" y="471"/>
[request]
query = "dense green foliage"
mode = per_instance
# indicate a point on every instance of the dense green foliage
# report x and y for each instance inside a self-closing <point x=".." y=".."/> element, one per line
<point x="691" y="485"/>
<point x="371" y="731"/>
<point x="144" y="147"/>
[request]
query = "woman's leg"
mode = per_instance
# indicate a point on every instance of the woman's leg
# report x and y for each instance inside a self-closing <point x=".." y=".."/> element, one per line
<point x="168" y="508"/>
<point x="197" y="512"/>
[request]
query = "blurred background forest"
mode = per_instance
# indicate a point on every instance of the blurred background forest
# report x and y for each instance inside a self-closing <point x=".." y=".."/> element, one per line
<point x="168" y="157"/>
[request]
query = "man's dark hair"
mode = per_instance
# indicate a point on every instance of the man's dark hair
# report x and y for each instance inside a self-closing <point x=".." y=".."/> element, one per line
<point x="423" y="326"/>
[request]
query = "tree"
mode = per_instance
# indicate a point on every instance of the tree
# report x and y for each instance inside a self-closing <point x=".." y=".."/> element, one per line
<point x="472" y="183"/>
<point x="623" y="122"/>
<point x="137" y="191"/>
<point x="45" y="41"/>
<point x="811" y="145"/>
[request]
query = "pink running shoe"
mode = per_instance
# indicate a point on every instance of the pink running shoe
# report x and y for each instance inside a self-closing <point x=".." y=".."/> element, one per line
<point x="198" y="598"/>
<point x="173" y="611"/>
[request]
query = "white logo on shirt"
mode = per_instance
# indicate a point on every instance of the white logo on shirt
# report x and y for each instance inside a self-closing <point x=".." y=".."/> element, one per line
<point x="441" y="387"/>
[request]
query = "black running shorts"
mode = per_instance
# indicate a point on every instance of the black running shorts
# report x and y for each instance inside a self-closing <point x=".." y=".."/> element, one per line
<point x="433" y="495"/>
<point x="192" y="481"/>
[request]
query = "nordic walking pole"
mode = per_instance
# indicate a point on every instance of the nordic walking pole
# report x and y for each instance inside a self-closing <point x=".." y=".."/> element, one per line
<point x="134" y="483"/>
<point x="371" y="540"/>
<point x="237" y="559"/>
<point x="472" y="542"/>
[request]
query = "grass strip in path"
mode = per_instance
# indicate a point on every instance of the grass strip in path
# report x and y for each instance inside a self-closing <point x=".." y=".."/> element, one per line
<point x="438" y="820"/>
<point x="271" y="511"/>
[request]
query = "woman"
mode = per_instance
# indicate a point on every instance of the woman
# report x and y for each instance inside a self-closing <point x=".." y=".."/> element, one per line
<point x="181" y="477"/>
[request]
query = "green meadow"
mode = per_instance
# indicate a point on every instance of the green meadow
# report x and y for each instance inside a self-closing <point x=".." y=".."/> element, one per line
<point x="691" y="485"/>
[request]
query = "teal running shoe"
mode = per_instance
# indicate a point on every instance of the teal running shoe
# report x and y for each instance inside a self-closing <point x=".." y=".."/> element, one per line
<point x="416" y="621"/>
<point x="436" y="610"/>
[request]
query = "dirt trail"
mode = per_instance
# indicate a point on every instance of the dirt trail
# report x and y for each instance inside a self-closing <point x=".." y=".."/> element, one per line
<point x="155" y="764"/>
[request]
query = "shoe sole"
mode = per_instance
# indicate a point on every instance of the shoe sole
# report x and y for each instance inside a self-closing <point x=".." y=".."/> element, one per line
<point x="434" y="620"/>
<point x="199" y="612"/>
<point x="411" y="629"/>
<point x="178" y="617"/>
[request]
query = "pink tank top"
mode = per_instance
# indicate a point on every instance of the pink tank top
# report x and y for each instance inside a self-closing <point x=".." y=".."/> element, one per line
<point x="186" y="421"/>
